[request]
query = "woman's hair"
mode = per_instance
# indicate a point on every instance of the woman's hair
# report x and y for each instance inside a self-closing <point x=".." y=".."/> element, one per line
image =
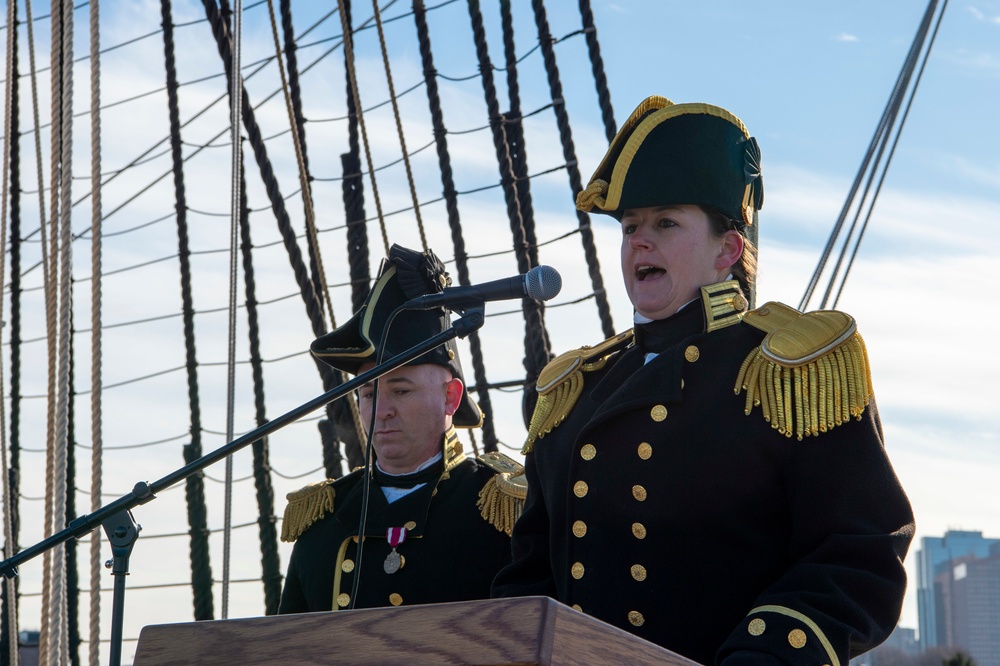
<point x="744" y="270"/>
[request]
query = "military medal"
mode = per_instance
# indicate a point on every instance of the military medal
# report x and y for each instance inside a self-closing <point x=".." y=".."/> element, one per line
<point x="394" y="561"/>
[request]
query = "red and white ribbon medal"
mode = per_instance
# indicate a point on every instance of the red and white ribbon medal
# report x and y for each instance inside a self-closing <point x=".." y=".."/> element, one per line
<point x="394" y="561"/>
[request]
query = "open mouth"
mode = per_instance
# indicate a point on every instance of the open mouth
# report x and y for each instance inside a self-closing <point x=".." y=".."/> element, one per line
<point x="646" y="271"/>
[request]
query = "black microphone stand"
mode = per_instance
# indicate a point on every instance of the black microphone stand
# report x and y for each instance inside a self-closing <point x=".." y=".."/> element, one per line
<point x="116" y="517"/>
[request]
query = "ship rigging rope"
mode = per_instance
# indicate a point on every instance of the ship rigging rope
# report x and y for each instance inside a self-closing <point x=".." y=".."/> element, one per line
<point x="44" y="248"/>
<point x="235" y="101"/>
<point x="875" y="150"/>
<point x="201" y="573"/>
<point x="304" y="187"/>
<point x="537" y="345"/>
<point x="451" y="205"/>
<point x="298" y="136"/>
<point x="10" y="592"/>
<point x="355" y="95"/>
<point x="888" y="161"/>
<point x="569" y="154"/>
<point x="96" y="362"/>
<point x="508" y="178"/>
<point x="267" y="533"/>
<point x="49" y="276"/>
<point x="57" y="640"/>
<point x="597" y="67"/>
<point x="399" y="125"/>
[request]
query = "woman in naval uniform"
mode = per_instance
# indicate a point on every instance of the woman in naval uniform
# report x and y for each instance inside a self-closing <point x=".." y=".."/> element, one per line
<point x="713" y="480"/>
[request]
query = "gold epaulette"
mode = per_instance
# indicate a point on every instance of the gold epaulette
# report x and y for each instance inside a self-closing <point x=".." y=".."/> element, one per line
<point x="305" y="507"/>
<point x="810" y="372"/>
<point x="502" y="498"/>
<point x="560" y="384"/>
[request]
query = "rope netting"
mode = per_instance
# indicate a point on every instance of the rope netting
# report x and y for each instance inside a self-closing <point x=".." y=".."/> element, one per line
<point x="383" y="114"/>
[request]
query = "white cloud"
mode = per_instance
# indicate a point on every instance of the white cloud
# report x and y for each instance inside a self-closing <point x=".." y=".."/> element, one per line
<point x="846" y="37"/>
<point x="979" y="15"/>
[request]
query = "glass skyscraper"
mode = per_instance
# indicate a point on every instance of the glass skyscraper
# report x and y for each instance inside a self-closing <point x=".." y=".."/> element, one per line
<point x="937" y="562"/>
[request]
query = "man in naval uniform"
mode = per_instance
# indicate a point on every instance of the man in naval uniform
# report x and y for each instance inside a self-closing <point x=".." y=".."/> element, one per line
<point x="438" y="522"/>
<point x="713" y="480"/>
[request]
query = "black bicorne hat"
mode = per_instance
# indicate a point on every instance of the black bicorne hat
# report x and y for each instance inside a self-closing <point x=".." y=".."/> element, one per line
<point x="404" y="275"/>
<point x="671" y="154"/>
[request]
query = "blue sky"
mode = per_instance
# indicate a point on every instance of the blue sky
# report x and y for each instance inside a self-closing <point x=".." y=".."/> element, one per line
<point x="810" y="80"/>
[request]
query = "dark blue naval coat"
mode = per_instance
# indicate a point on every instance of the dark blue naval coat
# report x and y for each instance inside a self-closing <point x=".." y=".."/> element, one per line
<point x="661" y="507"/>
<point x="451" y="553"/>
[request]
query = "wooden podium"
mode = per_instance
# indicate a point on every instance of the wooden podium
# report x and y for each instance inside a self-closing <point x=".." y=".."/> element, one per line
<point x="521" y="631"/>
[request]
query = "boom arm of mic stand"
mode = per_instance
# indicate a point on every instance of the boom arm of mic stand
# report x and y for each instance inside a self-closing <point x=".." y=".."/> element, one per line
<point x="116" y="517"/>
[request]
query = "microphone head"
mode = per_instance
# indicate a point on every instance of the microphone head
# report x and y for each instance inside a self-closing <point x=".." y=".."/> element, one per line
<point x="542" y="283"/>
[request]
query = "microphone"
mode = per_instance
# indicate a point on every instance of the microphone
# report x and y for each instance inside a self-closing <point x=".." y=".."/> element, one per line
<point x="540" y="283"/>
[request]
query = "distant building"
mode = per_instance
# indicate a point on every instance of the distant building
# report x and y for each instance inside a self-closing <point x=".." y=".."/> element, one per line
<point x="958" y="594"/>
<point x="27" y="648"/>
<point x="904" y="640"/>
<point x="975" y="586"/>
<point x="901" y="641"/>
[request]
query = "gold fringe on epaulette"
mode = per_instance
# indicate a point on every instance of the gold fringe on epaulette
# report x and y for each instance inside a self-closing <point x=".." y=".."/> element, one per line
<point x="501" y="501"/>
<point x="810" y="398"/>
<point x="552" y="409"/>
<point x="305" y="507"/>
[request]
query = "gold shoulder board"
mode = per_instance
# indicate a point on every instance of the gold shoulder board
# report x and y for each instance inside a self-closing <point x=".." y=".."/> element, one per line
<point x="305" y="507"/>
<point x="810" y="372"/>
<point x="560" y="384"/>
<point x="502" y="498"/>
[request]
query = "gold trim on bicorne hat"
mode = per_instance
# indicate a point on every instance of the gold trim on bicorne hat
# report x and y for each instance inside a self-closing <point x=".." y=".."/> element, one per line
<point x="672" y="154"/>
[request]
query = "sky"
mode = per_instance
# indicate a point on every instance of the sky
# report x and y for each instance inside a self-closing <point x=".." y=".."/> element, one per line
<point x="809" y="80"/>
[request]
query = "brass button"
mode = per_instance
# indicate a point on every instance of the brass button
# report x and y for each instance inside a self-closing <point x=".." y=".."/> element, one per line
<point x="410" y="525"/>
<point x="692" y="353"/>
<point x="638" y="530"/>
<point x="580" y="488"/>
<point x="639" y="493"/>
<point x="636" y="618"/>
<point x="645" y="451"/>
<point x="588" y="452"/>
<point x="451" y="355"/>
<point x="658" y="413"/>
<point x="682" y="384"/>
<point x="402" y="560"/>
<point x="739" y="302"/>
<point x="797" y="638"/>
<point x="576" y="607"/>
<point x="577" y="570"/>
<point x="639" y="572"/>
<point x="347" y="566"/>
<point x="343" y="599"/>
<point x="756" y="626"/>
<point x="395" y="599"/>
<point x="579" y="528"/>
